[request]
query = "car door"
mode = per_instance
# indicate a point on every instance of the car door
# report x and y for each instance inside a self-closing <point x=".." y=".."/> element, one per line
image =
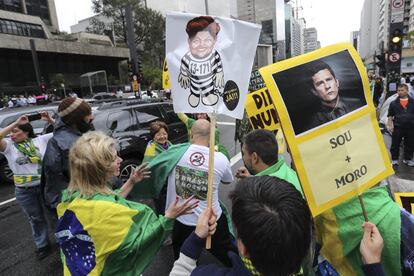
<point x="177" y="129"/>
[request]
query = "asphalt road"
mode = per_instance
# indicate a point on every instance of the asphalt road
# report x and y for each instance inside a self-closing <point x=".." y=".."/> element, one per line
<point x="17" y="247"/>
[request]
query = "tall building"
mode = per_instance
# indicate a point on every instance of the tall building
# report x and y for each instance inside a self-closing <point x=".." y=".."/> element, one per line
<point x="294" y="32"/>
<point x="44" y="9"/>
<point x="311" y="42"/>
<point x="271" y="15"/>
<point x="32" y="53"/>
<point x="354" y="39"/>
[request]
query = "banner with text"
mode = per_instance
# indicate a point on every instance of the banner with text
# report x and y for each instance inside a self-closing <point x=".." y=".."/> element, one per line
<point x="327" y="115"/>
<point x="209" y="62"/>
<point x="262" y="115"/>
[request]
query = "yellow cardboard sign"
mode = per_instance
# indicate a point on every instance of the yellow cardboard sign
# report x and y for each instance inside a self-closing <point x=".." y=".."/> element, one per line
<point x="261" y="111"/>
<point x="328" y="118"/>
<point x="262" y="114"/>
<point x="165" y="76"/>
<point x="406" y="201"/>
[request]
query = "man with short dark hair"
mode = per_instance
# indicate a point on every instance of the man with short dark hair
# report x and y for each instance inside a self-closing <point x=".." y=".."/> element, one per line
<point x="401" y="125"/>
<point x="273" y="225"/>
<point x="325" y="86"/>
<point x="260" y="157"/>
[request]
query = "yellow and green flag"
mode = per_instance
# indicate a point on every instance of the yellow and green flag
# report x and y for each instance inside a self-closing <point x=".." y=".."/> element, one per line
<point x="108" y="235"/>
<point x="339" y="231"/>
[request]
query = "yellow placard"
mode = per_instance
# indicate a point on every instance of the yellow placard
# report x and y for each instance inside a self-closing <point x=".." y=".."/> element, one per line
<point x="406" y="201"/>
<point x="327" y="115"/>
<point x="165" y="76"/>
<point x="262" y="114"/>
<point x="261" y="111"/>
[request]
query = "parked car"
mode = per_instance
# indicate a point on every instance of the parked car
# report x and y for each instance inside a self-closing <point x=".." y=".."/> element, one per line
<point x="102" y="96"/>
<point x="39" y="126"/>
<point x="128" y="122"/>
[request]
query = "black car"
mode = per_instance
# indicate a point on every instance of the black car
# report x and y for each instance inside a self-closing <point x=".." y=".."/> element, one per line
<point x="128" y="122"/>
<point x="8" y="116"/>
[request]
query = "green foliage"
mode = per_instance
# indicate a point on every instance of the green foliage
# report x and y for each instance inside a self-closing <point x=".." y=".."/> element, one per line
<point x="152" y="77"/>
<point x="149" y="27"/>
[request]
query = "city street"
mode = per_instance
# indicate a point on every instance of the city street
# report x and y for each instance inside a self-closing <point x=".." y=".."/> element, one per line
<point x="17" y="248"/>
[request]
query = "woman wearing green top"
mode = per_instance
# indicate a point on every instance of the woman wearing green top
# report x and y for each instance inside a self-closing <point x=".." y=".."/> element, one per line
<point x="158" y="144"/>
<point x="189" y="123"/>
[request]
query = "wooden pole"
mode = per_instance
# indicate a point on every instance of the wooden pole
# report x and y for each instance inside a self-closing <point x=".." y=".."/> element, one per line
<point x="211" y="168"/>
<point x="364" y="212"/>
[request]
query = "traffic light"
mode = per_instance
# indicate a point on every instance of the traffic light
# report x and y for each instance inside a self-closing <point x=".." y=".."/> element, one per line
<point x="396" y="40"/>
<point x="43" y="87"/>
<point x="130" y="70"/>
<point x="381" y="64"/>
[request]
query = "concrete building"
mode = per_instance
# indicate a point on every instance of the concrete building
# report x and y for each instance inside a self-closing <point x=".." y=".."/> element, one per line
<point x="271" y="15"/>
<point x="294" y="33"/>
<point x="26" y="40"/>
<point x="354" y="39"/>
<point x="311" y="42"/>
<point x="43" y="9"/>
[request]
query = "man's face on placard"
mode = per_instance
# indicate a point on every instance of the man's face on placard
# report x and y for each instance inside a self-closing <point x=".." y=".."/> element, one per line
<point x="202" y="44"/>
<point x="325" y="86"/>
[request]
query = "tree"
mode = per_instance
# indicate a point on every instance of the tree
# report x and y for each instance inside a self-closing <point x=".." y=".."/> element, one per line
<point x="149" y="26"/>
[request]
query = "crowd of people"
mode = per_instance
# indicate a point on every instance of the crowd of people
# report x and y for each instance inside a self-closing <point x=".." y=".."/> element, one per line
<point x="22" y="100"/>
<point x="68" y="180"/>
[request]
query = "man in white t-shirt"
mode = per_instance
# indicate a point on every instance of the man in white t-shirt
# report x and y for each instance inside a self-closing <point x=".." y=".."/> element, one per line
<point x="188" y="178"/>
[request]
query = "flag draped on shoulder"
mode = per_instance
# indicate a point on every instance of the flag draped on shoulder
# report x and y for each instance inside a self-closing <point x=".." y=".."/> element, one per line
<point x="108" y="235"/>
<point x="339" y="232"/>
<point x="161" y="167"/>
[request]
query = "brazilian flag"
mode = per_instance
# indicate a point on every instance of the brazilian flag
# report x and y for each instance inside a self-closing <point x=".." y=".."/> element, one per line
<point x="339" y="232"/>
<point x="108" y="235"/>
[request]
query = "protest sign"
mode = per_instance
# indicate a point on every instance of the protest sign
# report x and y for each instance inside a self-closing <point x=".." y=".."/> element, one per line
<point x="256" y="81"/>
<point x="209" y="61"/>
<point x="328" y="118"/>
<point x="406" y="201"/>
<point x="165" y="76"/>
<point x="262" y="115"/>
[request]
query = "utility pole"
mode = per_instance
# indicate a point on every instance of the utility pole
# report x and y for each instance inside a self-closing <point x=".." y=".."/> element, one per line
<point x="206" y="5"/>
<point x="395" y="46"/>
<point x="132" y="48"/>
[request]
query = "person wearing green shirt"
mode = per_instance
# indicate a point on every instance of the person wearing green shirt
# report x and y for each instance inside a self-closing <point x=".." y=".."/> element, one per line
<point x="158" y="144"/>
<point x="260" y="157"/>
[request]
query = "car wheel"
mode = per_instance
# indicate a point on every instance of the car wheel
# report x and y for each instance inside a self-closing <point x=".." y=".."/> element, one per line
<point x="6" y="175"/>
<point x="126" y="168"/>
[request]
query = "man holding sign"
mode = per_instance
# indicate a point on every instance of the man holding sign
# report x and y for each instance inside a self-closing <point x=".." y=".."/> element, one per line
<point x="189" y="178"/>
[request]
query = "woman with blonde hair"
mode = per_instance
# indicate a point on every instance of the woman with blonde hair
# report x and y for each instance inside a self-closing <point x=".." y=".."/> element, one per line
<point x="99" y="231"/>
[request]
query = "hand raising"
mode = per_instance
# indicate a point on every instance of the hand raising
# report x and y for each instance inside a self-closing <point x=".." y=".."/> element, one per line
<point x="177" y="209"/>
<point x="139" y="173"/>
<point x="242" y="172"/>
<point x="22" y="120"/>
<point x="371" y="244"/>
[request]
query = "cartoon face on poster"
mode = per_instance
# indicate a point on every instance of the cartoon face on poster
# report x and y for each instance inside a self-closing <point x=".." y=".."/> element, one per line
<point x="208" y="72"/>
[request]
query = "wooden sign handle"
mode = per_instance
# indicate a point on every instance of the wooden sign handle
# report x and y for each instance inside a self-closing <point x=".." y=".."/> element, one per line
<point x="211" y="168"/>
<point x="364" y="212"/>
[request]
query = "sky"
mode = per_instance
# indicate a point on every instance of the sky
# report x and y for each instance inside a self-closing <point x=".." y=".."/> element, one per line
<point x="333" y="19"/>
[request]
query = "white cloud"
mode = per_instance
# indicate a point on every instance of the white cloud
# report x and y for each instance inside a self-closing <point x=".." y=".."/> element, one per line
<point x="333" y="19"/>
